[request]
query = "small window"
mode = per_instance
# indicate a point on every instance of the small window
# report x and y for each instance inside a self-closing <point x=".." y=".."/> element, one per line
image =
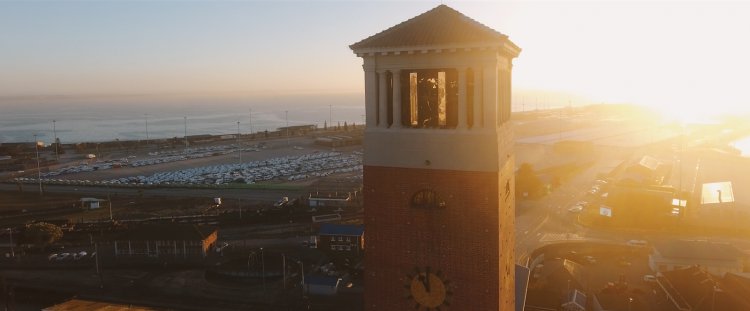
<point x="333" y="239"/>
<point x="426" y="198"/>
<point x="333" y="247"/>
<point x="341" y="239"/>
<point x="348" y="239"/>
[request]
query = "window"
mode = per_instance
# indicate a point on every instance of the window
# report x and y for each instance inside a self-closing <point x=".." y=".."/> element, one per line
<point x="426" y="198"/>
<point x="333" y="247"/>
<point x="348" y="239"/>
<point x="333" y="239"/>
<point x="430" y="99"/>
<point x="341" y="239"/>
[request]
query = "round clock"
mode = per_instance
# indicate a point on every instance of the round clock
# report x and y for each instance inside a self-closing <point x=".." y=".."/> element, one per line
<point x="429" y="290"/>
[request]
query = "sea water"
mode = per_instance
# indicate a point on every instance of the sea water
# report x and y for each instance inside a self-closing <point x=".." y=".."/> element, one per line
<point x="97" y="119"/>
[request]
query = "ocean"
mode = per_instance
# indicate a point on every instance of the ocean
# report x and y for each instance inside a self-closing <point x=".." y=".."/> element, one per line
<point x="95" y="119"/>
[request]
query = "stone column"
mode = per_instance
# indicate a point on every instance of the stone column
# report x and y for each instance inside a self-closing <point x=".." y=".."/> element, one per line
<point x="396" y="98"/>
<point x="462" y="123"/>
<point x="371" y="92"/>
<point x="478" y="106"/>
<point x="490" y="98"/>
<point x="383" y="99"/>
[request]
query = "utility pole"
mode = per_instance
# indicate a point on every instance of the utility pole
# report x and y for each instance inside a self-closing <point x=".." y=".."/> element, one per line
<point x="330" y="114"/>
<point x="283" y="269"/>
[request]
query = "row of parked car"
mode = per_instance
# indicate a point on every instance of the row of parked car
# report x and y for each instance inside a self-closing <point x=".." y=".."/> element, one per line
<point x="70" y="256"/>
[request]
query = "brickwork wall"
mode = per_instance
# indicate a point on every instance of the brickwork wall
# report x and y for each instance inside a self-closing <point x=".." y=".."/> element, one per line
<point x="470" y="240"/>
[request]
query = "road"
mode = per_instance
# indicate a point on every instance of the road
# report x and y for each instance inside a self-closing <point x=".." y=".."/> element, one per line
<point x="251" y="195"/>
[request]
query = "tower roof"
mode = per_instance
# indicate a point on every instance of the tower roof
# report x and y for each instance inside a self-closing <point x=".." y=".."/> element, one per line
<point x="441" y="26"/>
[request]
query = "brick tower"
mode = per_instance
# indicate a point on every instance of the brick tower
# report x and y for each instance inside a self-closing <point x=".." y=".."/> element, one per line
<point x="439" y="163"/>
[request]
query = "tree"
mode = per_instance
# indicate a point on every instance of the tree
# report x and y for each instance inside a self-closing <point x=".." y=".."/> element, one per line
<point x="527" y="181"/>
<point x="42" y="234"/>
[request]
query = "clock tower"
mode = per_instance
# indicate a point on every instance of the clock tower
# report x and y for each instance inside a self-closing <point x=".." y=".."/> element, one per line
<point x="438" y="165"/>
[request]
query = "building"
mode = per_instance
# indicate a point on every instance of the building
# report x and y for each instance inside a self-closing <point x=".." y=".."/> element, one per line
<point x="438" y="165"/>
<point x="694" y="289"/>
<point x="322" y="285"/>
<point x="329" y="199"/>
<point x="342" y="239"/>
<point x="297" y="129"/>
<point x="171" y="241"/>
<point x="715" y="258"/>
<point x="91" y="203"/>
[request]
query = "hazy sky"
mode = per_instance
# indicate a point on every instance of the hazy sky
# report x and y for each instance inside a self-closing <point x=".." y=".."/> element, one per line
<point x="664" y="54"/>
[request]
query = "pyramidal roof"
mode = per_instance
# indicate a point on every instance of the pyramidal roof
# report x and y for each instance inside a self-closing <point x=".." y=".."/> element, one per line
<point x="441" y="26"/>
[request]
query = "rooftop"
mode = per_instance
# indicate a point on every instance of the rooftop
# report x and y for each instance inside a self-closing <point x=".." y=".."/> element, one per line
<point x="169" y="232"/>
<point x="338" y="229"/>
<point x="693" y="249"/>
<point x="441" y="26"/>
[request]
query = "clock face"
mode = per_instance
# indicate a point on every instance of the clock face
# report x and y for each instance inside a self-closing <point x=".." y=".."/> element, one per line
<point x="428" y="289"/>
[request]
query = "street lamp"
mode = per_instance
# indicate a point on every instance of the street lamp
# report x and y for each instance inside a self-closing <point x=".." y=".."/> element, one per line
<point x="239" y="147"/>
<point x="286" y="116"/>
<point x="185" y="135"/>
<point x="251" y="120"/>
<point x="302" y="273"/>
<point x="145" y="116"/>
<point x="263" y="267"/>
<point x="38" y="165"/>
<point x="12" y="253"/>
<point x="54" y="132"/>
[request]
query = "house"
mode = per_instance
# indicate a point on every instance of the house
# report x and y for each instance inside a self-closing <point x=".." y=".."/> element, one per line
<point x="576" y="301"/>
<point x="716" y="258"/>
<point x="694" y="289"/>
<point x="91" y="203"/>
<point x="342" y="239"/>
<point x="321" y="285"/>
<point x="329" y="199"/>
<point x="169" y="241"/>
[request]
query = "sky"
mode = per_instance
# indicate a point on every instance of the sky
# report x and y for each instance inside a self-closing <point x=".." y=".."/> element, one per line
<point x="686" y="58"/>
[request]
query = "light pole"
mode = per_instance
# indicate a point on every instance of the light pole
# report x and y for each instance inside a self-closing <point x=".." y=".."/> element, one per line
<point x="239" y="147"/>
<point x="251" y="120"/>
<point x="286" y="116"/>
<point x="12" y="253"/>
<point x="54" y="132"/>
<point x="263" y="268"/>
<point x="38" y="165"/>
<point x="145" y="116"/>
<point x="302" y="272"/>
<point x="330" y="114"/>
<point x="185" y="136"/>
